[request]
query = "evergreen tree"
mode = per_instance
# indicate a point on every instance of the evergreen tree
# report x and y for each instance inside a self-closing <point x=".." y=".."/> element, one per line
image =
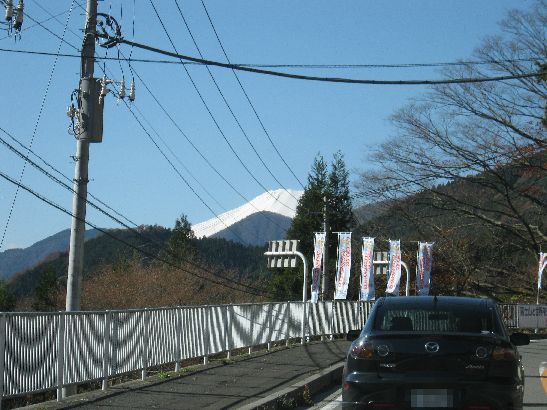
<point x="180" y="244"/>
<point x="309" y="212"/>
<point x="45" y="295"/>
<point x="7" y="298"/>
<point x="340" y="209"/>
<point x="287" y="284"/>
<point x="339" y="214"/>
<point x="322" y="184"/>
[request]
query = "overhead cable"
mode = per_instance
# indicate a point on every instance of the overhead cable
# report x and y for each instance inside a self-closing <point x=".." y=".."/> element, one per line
<point x="37" y="122"/>
<point x="109" y="234"/>
<point x="248" y="98"/>
<point x="95" y="206"/>
<point x="232" y="111"/>
<point x="464" y="80"/>
<point x="257" y="65"/>
<point x="213" y="118"/>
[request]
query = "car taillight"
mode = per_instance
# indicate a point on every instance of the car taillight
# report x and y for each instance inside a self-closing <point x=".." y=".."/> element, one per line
<point x="362" y="351"/>
<point x="503" y="353"/>
<point x="479" y="407"/>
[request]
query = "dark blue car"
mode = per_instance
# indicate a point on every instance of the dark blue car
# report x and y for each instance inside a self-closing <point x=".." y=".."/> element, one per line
<point x="434" y="352"/>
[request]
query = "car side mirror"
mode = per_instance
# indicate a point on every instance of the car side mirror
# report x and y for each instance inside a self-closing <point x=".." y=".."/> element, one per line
<point x="519" y="339"/>
<point x="352" y="335"/>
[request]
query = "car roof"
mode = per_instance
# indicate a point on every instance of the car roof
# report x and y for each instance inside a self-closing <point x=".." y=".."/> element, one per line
<point x="406" y="302"/>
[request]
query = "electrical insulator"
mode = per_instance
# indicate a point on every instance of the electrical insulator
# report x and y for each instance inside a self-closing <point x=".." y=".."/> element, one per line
<point x="132" y="91"/>
<point x="9" y="10"/>
<point x="104" y="90"/>
<point x="19" y="16"/>
<point x="71" y="111"/>
<point x="121" y="94"/>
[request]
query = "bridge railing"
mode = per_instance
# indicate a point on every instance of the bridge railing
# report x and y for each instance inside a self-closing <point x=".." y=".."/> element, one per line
<point x="47" y="351"/>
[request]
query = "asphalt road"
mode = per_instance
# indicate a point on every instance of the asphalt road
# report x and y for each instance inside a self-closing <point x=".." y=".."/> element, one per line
<point x="535" y="397"/>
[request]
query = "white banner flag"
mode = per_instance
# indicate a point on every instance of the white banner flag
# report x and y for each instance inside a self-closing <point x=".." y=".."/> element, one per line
<point x="425" y="260"/>
<point x="367" y="270"/>
<point x="343" y="265"/>
<point x="542" y="264"/>
<point x="318" y="251"/>
<point x="394" y="267"/>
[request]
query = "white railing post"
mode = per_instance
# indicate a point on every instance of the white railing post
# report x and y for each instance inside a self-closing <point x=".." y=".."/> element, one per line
<point x="2" y="355"/>
<point x="251" y="329"/>
<point x="287" y="327"/>
<point x="60" y="355"/>
<point x="106" y="348"/>
<point x="332" y="319"/>
<point x="145" y="342"/>
<point x="204" y="334"/>
<point x="226" y="331"/>
<point x="270" y="327"/>
<point x="178" y="330"/>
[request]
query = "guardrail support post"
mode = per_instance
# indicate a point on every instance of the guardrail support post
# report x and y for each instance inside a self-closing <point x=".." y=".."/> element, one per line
<point x="145" y="342"/>
<point x="204" y="334"/>
<point x="178" y="332"/>
<point x="288" y="329"/>
<point x="270" y="327"/>
<point x="229" y="330"/>
<point x="60" y="355"/>
<point x="106" y="349"/>
<point x="2" y="355"/>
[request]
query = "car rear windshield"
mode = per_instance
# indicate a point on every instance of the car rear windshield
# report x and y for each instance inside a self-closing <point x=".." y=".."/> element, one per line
<point x="460" y="319"/>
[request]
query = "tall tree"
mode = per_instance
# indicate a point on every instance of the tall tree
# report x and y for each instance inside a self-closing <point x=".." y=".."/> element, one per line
<point x="476" y="152"/>
<point x="287" y="283"/>
<point x="7" y="298"/>
<point x="180" y="246"/>
<point x="46" y="292"/>
<point x="339" y="211"/>
<point x="322" y="185"/>
<point x="309" y="211"/>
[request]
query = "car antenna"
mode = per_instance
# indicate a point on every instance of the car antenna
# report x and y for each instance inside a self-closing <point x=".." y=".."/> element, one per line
<point x="435" y="300"/>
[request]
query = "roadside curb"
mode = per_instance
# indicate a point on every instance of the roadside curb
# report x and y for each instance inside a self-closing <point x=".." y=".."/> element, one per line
<point x="295" y="393"/>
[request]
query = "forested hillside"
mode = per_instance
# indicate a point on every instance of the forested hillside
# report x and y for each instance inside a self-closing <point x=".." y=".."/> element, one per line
<point x="137" y="269"/>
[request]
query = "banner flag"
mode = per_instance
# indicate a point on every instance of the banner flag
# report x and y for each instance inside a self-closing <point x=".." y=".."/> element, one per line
<point x="367" y="270"/>
<point x="394" y="267"/>
<point x="343" y="265"/>
<point x="318" y="251"/>
<point x="542" y="264"/>
<point x="425" y="260"/>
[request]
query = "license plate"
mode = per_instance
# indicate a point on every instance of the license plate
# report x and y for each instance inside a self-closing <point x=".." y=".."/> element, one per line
<point x="431" y="398"/>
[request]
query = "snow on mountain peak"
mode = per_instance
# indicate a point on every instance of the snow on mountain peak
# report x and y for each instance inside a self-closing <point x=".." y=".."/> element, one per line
<point x="280" y="201"/>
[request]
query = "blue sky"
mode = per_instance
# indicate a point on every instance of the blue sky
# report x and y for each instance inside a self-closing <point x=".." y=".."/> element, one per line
<point x="302" y="117"/>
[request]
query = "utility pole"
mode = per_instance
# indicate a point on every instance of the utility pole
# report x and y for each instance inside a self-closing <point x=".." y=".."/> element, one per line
<point x="324" y="280"/>
<point x="88" y="103"/>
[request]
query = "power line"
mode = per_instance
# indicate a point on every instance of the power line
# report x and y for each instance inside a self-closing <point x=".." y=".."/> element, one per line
<point x="163" y="154"/>
<point x="144" y="118"/>
<point x="207" y="108"/>
<point x="101" y="210"/>
<point x="230" y="108"/>
<point x="69" y="188"/>
<point x="248" y="98"/>
<point x="327" y="79"/>
<point x="40" y="111"/>
<point x="196" y="149"/>
<point x="50" y="166"/>
<point x="257" y="65"/>
<point x="106" y="232"/>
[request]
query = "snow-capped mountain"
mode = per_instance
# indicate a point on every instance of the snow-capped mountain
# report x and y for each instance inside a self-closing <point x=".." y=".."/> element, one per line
<point x="269" y="205"/>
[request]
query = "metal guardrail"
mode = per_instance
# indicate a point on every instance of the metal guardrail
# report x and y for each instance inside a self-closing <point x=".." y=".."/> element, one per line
<point x="47" y="351"/>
